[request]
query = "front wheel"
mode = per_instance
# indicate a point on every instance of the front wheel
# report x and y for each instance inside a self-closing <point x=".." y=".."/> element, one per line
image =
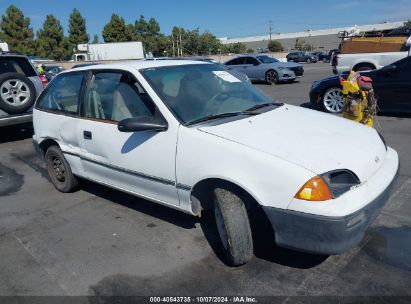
<point x="333" y="100"/>
<point x="271" y="77"/>
<point x="59" y="170"/>
<point x="233" y="227"/>
<point x="308" y="60"/>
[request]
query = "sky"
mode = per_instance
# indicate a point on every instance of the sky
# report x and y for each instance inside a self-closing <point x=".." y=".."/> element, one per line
<point x="224" y="18"/>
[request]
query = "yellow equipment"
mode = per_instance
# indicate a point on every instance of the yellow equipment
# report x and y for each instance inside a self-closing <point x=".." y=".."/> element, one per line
<point x="359" y="102"/>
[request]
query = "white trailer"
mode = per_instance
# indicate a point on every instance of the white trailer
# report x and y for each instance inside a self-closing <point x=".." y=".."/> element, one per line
<point x="109" y="51"/>
<point x="4" y="47"/>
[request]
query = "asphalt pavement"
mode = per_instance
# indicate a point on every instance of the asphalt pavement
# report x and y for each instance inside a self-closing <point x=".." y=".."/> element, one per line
<point x="102" y="242"/>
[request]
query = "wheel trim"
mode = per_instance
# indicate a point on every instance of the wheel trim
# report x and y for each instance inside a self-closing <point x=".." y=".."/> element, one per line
<point x="333" y="100"/>
<point x="271" y="77"/>
<point x="220" y="225"/>
<point x="14" y="92"/>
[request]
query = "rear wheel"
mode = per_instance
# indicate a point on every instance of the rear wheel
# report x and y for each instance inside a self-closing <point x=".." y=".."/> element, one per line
<point x="333" y="100"/>
<point x="17" y="93"/>
<point x="59" y="170"/>
<point x="271" y="77"/>
<point x="233" y="227"/>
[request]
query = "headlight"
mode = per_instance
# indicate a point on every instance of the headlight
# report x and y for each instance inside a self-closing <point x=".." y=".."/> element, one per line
<point x="315" y="85"/>
<point x="328" y="186"/>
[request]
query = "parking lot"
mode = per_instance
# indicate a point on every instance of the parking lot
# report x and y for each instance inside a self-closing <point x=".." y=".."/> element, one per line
<point x="101" y="242"/>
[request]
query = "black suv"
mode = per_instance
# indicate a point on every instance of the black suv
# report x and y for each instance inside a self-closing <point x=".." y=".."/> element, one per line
<point x="301" y="57"/>
<point x="20" y="85"/>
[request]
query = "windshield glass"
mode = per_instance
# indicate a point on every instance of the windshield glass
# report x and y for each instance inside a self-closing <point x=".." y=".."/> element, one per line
<point x="267" y="59"/>
<point x="196" y="91"/>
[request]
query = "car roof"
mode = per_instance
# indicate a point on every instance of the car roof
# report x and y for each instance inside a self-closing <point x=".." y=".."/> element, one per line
<point x="138" y="64"/>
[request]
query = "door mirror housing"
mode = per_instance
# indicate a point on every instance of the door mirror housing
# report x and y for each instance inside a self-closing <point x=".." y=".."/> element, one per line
<point x="139" y="124"/>
<point x="389" y="69"/>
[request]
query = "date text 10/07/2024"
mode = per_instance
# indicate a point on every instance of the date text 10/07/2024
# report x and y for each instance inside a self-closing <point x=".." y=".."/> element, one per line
<point x="235" y="299"/>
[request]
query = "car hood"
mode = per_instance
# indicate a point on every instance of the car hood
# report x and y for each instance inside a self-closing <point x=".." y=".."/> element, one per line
<point x="316" y="141"/>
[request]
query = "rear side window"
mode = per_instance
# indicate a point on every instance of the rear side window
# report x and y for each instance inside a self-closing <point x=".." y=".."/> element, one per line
<point x="236" y="61"/>
<point x="62" y="94"/>
<point x="18" y="65"/>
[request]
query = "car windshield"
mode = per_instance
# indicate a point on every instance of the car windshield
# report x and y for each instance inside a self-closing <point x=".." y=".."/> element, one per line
<point x="196" y="91"/>
<point x="267" y="59"/>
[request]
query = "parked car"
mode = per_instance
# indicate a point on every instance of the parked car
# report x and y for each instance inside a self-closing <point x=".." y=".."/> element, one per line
<point x="189" y="135"/>
<point x="19" y="87"/>
<point x="265" y="68"/>
<point x="301" y="57"/>
<point x="392" y="87"/>
<point x="322" y="56"/>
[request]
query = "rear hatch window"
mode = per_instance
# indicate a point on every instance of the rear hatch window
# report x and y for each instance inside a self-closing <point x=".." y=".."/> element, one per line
<point x="17" y="65"/>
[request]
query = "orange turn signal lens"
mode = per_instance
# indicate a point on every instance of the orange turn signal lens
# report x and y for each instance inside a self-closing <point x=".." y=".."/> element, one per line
<point x="316" y="189"/>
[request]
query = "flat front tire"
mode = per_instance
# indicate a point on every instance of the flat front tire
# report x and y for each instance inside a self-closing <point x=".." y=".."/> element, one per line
<point x="59" y="170"/>
<point x="233" y="227"/>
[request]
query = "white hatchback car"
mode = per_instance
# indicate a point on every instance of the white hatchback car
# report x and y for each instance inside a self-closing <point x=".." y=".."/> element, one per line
<point x="191" y="136"/>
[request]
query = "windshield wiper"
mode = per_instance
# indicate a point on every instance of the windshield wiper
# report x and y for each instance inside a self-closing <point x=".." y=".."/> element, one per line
<point x="220" y="115"/>
<point x="263" y="105"/>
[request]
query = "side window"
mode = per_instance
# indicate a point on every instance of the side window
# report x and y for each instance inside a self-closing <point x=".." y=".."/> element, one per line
<point x="237" y="61"/>
<point x="114" y="96"/>
<point x="63" y="94"/>
<point x="251" y="60"/>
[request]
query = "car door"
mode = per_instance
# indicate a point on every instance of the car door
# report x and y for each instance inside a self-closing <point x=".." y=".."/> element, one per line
<point x="142" y="162"/>
<point x="236" y="64"/>
<point x="57" y="116"/>
<point x="392" y="86"/>
<point x="252" y="68"/>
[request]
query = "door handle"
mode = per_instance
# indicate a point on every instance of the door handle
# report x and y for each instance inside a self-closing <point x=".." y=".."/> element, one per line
<point x="87" y="135"/>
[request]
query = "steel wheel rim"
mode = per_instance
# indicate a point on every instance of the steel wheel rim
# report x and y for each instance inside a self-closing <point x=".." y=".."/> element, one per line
<point x="220" y="225"/>
<point x="333" y="100"/>
<point x="57" y="169"/>
<point x="15" y="92"/>
<point x="271" y="77"/>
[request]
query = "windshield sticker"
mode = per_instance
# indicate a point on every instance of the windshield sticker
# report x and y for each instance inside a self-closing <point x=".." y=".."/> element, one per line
<point x="224" y="75"/>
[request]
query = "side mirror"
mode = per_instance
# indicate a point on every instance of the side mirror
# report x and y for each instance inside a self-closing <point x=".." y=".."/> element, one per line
<point x="256" y="63"/>
<point x="138" y="124"/>
<point x="389" y="69"/>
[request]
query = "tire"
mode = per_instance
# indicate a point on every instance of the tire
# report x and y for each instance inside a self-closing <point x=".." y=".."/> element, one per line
<point x="332" y="100"/>
<point x="308" y="60"/>
<point x="59" y="170"/>
<point x="271" y="77"/>
<point x="17" y="93"/>
<point x="325" y="60"/>
<point x="233" y="227"/>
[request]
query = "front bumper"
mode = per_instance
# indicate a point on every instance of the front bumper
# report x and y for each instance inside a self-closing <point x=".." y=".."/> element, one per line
<point x="325" y="234"/>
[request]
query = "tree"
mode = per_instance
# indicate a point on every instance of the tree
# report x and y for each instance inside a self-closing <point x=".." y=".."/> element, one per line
<point x="17" y="31"/>
<point x="407" y="24"/>
<point x="299" y="44"/>
<point x="77" y="29"/>
<point x="51" y="42"/>
<point x="250" y="51"/>
<point x="236" y="48"/>
<point x="95" y="39"/>
<point x="115" y="30"/>
<point x="275" y="46"/>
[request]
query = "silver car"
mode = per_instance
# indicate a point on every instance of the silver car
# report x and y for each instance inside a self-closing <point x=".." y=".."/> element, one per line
<point x="265" y="68"/>
<point x="20" y="85"/>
